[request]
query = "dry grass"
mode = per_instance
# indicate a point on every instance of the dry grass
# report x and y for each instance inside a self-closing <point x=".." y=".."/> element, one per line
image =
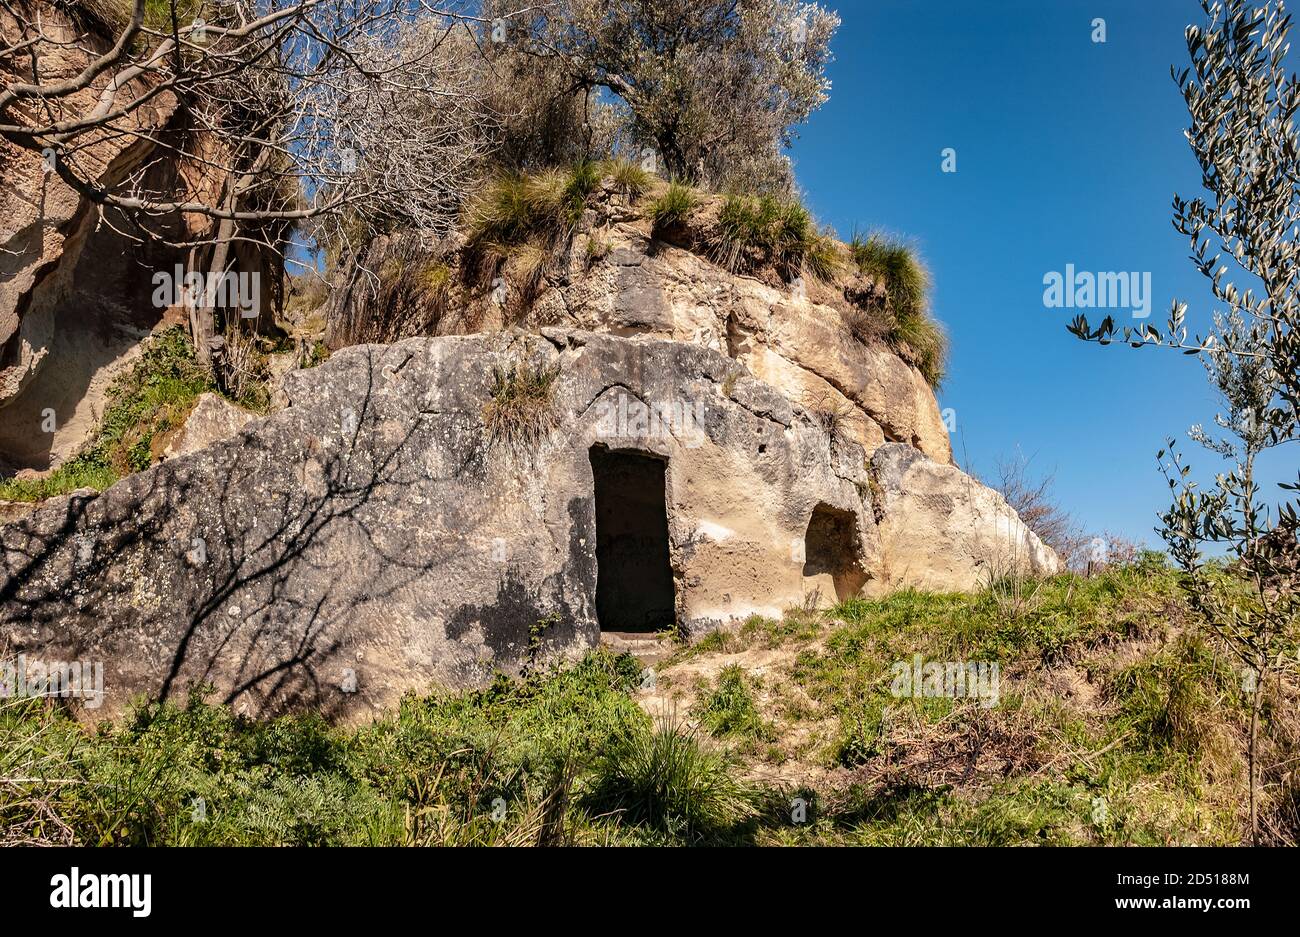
<point x="521" y="413"/>
<point x="629" y="179"/>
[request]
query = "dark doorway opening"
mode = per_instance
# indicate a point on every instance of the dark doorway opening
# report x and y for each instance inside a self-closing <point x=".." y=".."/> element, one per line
<point x="634" y="582"/>
<point x="831" y="548"/>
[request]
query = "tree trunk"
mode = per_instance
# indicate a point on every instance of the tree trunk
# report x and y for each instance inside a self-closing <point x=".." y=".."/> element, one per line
<point x="1252" y="756"/>
<point x="200" y="315"/>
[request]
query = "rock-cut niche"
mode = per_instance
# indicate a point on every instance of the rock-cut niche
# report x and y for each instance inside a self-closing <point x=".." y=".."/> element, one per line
<point x="831" y="551"/>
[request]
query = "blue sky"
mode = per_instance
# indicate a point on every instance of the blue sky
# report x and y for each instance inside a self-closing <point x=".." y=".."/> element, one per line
<point x="1068" y="152"/>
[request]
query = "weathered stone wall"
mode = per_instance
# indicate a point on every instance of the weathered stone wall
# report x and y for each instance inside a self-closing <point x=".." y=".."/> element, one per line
<point x="794" y="340"/>
<point x="369" y="527"/>
<point x="369" y="539"/>
<point x="615" y="277"/>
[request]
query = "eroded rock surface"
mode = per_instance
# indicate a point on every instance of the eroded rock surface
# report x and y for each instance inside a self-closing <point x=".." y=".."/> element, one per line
<point x="76" y="280"/>
<point x="942" y="531"/>
<point x="212" y="420"/>
<point x="794" y="339"/>
<point x="372" y="538"/>
<point x="72" y="291"/>
<point x="616" y="277"/>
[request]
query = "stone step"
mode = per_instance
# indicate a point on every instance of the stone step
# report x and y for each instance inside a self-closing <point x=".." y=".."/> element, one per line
<point x="647" y="647"/>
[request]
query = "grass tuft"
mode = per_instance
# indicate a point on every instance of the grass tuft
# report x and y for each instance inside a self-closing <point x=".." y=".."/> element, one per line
<point x="770" y="230"/>
<point x="729" y="708"/>
<point x="521" y="411"/>
<point x="673" y="207"/>
<point x="629" y="178"/>
<point x="906" y="282"/>
<point x="543" y="207"/>
<point x="666" y="779"/>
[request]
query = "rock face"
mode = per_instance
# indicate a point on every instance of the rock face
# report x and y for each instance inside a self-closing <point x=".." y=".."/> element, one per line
<point x="76" y="284"/>
<point x="794" y="338"/>
<point x="212" y="420"/>
<point x="615" y="277"/>
<point x="59" y="264"/>
<point x="377" y="537"/>
<point x="942" y="531"/>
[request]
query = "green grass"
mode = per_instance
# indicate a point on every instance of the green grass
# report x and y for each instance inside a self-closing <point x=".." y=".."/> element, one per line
<point x="673" y="207"/>
<point x="568" y="756"/>
<point x="667" y="780"/>
<point x="523" y="220"/>
<point x="515" y="208"/>
<point x="895" y="266"/>
<point x="771" y="230"/>
<point x="151" y="398"/>
<point x="1159" y="727"/>
<point x="729" y="710"/>
<point x="560" y="756"/>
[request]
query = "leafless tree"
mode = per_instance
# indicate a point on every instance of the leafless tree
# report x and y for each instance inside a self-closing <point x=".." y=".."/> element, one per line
<point x="1032" y="497"/>
<point x="281" y="114"/>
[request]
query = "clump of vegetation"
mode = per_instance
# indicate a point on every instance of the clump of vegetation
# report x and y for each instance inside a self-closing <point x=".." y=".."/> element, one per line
<point x="521" y="411"/>
<point x="242" y="372"/>
<point x="830" y="411"/>
<point x="629" y="177"/>
<point x="522" y="221"/>
<point x="666" y="779"/>
<point x="911" y="329"/>
<point x="540" y="207"/>
<point x="894" y="266"/>
<point x="673" y="207"/>
<point x="408" y="293"/>
<point x="729" y="708"/>
<point x="144" y="404"/>
<point x="776" y="231"/>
